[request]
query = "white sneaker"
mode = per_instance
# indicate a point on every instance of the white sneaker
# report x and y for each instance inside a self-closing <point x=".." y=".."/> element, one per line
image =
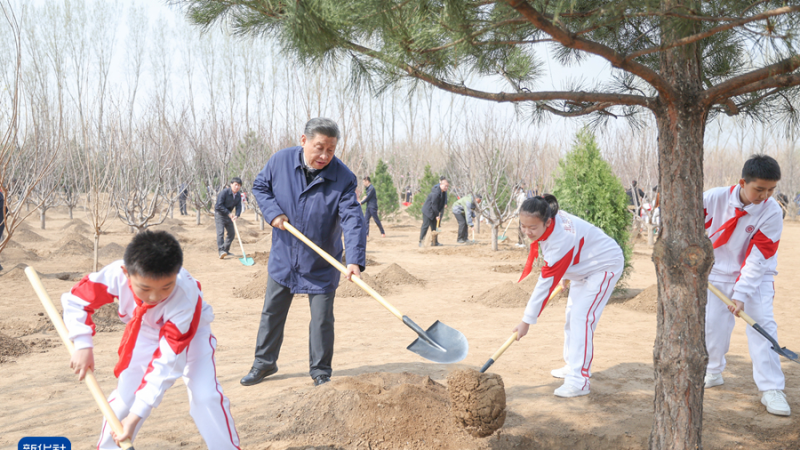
<point x="560" y="373"/>
<point x="713" y="379"/>
<point x="567" y="391"/>
<point x="776" y="403"/>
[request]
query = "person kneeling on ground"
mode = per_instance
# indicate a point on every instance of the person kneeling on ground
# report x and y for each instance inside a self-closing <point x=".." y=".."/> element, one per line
<point x="227" y="209"/>
<point x="745" y="225"/>
<point x="464" y="209"/>
<point x="575" y="250"/>
<point x="168" y="335"/>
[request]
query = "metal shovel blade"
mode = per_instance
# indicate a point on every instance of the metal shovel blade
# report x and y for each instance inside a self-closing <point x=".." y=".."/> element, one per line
<point x="247" y="261"/>
<point x="783" y="351"/>
<point x="439" y="343"/>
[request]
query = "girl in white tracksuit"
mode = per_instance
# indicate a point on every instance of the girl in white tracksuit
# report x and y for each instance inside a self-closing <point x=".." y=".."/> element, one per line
<point x="745" y="227"/>
<point x="165" y="338"/>
<point x="578" y="251"/>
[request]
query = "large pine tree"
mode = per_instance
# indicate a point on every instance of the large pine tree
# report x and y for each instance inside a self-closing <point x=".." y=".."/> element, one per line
<point x="680" y="61"/>
<point x="388" y="200"/>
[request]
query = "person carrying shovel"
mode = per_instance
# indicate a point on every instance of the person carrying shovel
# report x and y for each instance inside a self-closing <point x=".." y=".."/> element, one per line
<point x="745" y="225"/>
<point x="311" y="189"/>
<point x="227" y="209"/>
<point x="578" y="251"/>
<point x="433" y="209"/>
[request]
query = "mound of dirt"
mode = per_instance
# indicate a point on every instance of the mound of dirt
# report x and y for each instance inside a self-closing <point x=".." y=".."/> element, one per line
<point x="347" y="289"/>
<point x="508" y="268"/>
<point x="111" y="251"/>
<point x="171" y="221"/>
<point x="394" y="275"/>
<point x="376" y="411"/>
<point x="16" y="273"/>
<point x="107" y="318"/>
<point x="26" y="235"/>
<point x="74" y="222"/>
<point x="261" y="258"/>
<point x="646" y="301"/>
<point x="19" y="254"/>
<point x="510" y="294"/>
<point x="11" y="348"/>
<point x="255" y="288"/>
<point x="386" y="281"/>
<point x="13" y="244"/>
<point x="74" y="248"/>
<point x="477" y="401"/>
<point x="77" y="237"/>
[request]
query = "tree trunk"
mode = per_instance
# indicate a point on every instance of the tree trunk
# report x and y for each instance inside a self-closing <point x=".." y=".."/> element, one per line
<point x="197" y="216"/>
<point x="96" y="249"/>
<point x="477" y="224"/>
<point x="70" y="211"/>
<point x="495" y="229"/>
<point x="171" y="212"/>
<point x="262" y="223"/>
<point x="650" y="229"/>
<point x="683" y="257"/>
<point x="42" y="212"/>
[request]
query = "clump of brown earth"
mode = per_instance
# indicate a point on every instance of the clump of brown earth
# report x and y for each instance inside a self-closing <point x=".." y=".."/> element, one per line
<point x="374" y="410"/>
<point x="477" y="401"/>
<point x="384" y="282"/>
<point x="112" y="251"/>
<point x="261" y="258"/>
<point x="11" y="347"/>
<point x="255" y="288"/>
<point x="26" y="235"/>
<point x="645" y="301"/>
<point x="510" y="294"/>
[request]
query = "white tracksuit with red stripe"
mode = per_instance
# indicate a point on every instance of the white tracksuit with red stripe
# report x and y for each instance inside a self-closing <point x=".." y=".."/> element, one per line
<point x="174" y="340"/>
<point x="578" y="251"/>
<point x="744" y="270"/>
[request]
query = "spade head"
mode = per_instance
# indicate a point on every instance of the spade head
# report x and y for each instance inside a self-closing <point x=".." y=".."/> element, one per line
<point x="449" y="345"/>
<point x="247" y="261"/>
<point x="786" y="353"/>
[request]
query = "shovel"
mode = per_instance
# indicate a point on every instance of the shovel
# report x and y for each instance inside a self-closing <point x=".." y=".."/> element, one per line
<point x="503" y="237"/>
<point x="783" y="351"/>
<point x="435" y="233"/>
<point x="91" y="381"/>
<point x="511" y="339"/>
<point x="244" y="259"/>
<point x="439" y="343"/>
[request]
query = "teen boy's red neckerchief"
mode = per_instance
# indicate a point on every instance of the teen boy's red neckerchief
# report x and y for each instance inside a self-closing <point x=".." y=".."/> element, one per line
<point x="534" y="253"/>
<point x="727" y="228"/>
<point x="131" y="333"/>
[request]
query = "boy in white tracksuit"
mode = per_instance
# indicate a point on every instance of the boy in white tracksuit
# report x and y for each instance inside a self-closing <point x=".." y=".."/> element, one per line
<point x="167" y="335"/>
<point x="745" y="226"/>
<point x="575" y="250"/>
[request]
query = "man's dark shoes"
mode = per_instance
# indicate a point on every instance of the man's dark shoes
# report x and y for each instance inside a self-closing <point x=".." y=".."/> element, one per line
<point x="321" y="379"/>
<point x="257" y="375"/>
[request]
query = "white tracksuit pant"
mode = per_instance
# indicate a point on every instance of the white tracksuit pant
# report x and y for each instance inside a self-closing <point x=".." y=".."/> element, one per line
<point x="767" y="371"/>
<point x="208" y="406"/>
<point x="587" y="299"/>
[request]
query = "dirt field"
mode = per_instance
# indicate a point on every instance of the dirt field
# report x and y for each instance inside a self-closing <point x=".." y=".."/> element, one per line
<point x="382" y="396"/>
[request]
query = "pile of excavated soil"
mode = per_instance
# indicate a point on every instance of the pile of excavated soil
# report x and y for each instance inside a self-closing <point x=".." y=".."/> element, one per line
<point x="508" y="268"/>
<point x="77" y="226"/>
<point x="107" y="318"/>
<point x="19" y="254"/>
<point x="255" y="288"/>
<point x="16" y="273"/>
<point x="261" y="258"/>
<point x="26" y="235"/>
<point x="112" y="251"/>
<point x="374" y="411"/>
<point x="11" y="347"/>
<point x="74" y="248"/>
<point x="646" y="301"/>
<point x="79" y="238"/>
<point x="13" y="244"/>
<point x="477" y="401"/>
<point x="74" y="222"/>
<point x="18" y="327"/>
<point x="510" y="294"/>
<point x="385" y="282"/>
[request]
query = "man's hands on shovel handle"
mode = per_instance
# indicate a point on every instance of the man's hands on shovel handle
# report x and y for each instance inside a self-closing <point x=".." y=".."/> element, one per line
<point x="82" y="361"/>
<point x="521" y="329"/>
<point x="278" y="222"/>
<point x="128" y="427"/>
<point x="739" y="307"/>
<point x="352" y="269"/>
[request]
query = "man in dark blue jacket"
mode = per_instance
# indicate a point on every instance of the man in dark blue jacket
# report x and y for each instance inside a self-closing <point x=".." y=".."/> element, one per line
<point x="433" y="208"/>
<point x="227" y="209"/>
<point x="311" y="189"/>
<point x="371" y="199"/>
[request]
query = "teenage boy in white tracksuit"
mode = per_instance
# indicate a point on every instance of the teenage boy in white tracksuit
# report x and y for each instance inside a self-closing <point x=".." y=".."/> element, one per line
<point x="168" y="335"/>
<point x="745" y="226"/>
<point x="575" y="250"/>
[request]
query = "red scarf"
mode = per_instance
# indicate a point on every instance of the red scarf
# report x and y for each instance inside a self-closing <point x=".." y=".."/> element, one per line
<point x="129" y="337"/>
<point x="534" y="253"/>
<point x="728" y="228"/>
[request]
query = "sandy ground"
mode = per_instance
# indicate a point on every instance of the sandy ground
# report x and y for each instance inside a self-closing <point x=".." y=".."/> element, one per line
<point x="39" y="396"/>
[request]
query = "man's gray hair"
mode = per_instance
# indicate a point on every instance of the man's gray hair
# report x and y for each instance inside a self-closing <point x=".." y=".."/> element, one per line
<point x="321" y="125"/>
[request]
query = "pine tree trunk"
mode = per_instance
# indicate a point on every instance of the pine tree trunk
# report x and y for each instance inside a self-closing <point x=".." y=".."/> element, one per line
<point x="683" y="257"/>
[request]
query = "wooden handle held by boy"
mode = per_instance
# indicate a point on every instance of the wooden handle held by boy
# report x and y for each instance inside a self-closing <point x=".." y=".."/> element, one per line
<point x="91" y="381"/>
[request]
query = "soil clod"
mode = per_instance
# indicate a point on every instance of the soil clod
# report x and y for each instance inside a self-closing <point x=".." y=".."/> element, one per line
<point x="478" y="401"/>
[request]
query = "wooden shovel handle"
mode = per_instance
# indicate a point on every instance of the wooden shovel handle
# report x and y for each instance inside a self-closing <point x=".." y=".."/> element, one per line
<point x="728" y="302"/>
<point x="235" y="228"/>
<point x="339" y="266"/>
<point x="513" y="337"/>
<point x="91" y="381"/>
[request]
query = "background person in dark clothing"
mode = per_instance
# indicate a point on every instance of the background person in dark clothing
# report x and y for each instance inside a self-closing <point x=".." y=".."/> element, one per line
<point x="639" y="193"/>
<point x="371" y="199"/>
<point x="227" y="209"/>
<point x="308" y="187"/>
<point x="437" y="188"/>
<point x="433" y="208"/>
<point x="183" y="190"/>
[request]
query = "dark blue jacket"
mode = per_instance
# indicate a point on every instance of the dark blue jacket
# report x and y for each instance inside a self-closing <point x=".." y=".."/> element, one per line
<point x="435" y="203"/>
<point x="227" y="201"/>
<point x="371" y="200"/>
<point x="322" y="210"/>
